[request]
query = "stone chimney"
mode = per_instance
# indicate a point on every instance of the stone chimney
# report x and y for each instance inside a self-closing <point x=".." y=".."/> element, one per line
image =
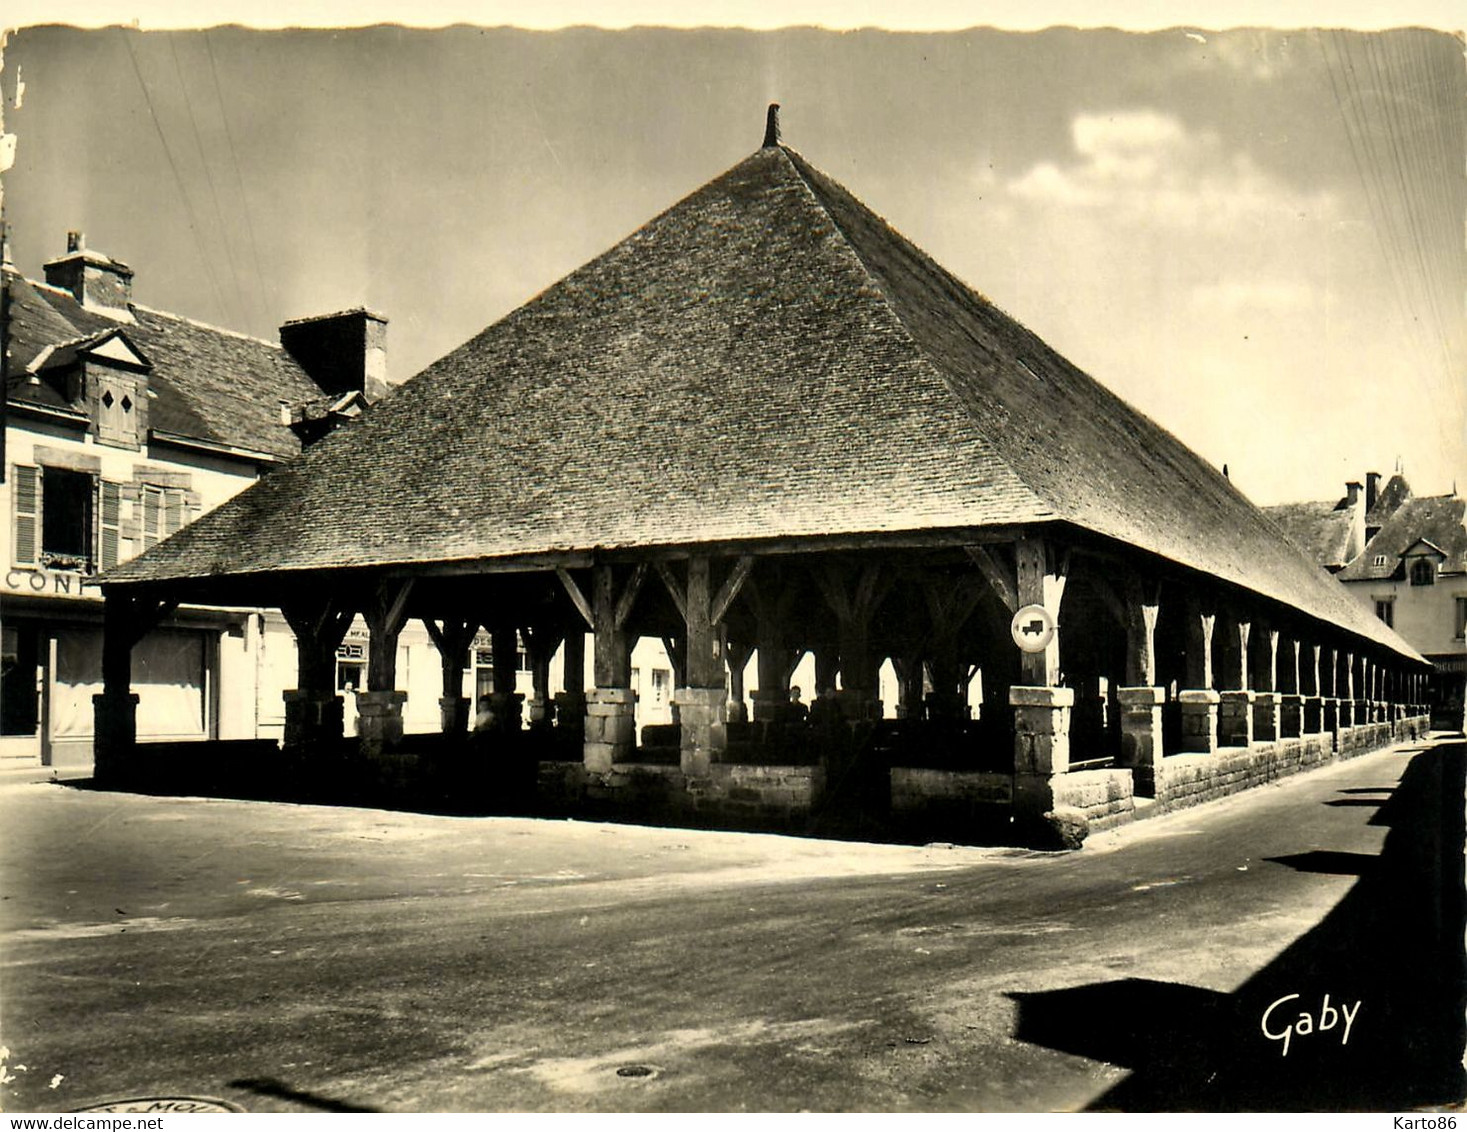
<point x="1355" y="504"/>
<point x="342" y="352"/>
<point x="1372" y="490"/>
<point x="98" y="282"/>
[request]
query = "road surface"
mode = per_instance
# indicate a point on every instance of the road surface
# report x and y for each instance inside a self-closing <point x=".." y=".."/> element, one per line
<point x="305" y="958"/>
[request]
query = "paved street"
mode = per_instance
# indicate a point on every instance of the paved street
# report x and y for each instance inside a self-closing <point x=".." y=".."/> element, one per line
<point x="301" y="958"/>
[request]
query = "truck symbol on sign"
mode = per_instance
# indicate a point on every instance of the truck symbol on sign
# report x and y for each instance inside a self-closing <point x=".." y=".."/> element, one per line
<point x="1034" y="628"/>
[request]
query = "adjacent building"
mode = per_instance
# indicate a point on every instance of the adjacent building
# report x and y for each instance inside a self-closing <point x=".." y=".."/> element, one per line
<point x="1404" y="558"/>
<point x="123" y="425"/>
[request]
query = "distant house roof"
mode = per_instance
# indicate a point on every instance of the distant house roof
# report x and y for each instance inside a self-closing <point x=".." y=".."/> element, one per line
<point x="208" y="384"/>
<point x="765" y="359"/>
<point x="1395" y="492"/>
<point x="1321" y="530"/>
<point x="1437" y="520"/>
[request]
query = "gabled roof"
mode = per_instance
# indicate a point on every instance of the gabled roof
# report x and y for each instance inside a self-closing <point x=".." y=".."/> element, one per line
<point x="765" y="359"/>
<point x="1437" y="520"/>
<point x="1395" y="492"/>
<point x="1321" y="529"/>
<point x="209" y="384"/>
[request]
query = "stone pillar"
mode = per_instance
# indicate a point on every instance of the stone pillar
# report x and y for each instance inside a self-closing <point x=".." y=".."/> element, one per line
<point x="1313" y="715"/>
<point x="1291" y="716"/>
<point x="1235" y="718"/>
<point x="379" y="720"/>
<point x="115" y="736"/>
<point x="909" y="686"/>
<point x="453" y="714"/>
<point x="1041" y="754"/>
<point x="1266" y="716"/>
<point x="314" y="719"/>
<point x="505" y="703"/>
<point x="379" y="708"/>
<point x="858" y="705"/>
<point x="1199" y="720"/>
<point x="610" y="728"/>
<point x="314" y="713"/>
<point x="453" y="639"/>
<point x="541" y="642"/>
<point x="704" y="729"/>
<point x="1141" y="746"/>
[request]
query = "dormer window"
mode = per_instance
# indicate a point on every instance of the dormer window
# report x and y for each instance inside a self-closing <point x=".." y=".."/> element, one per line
<point x="1380" y="560"/>
<point x="1423" y="572"/>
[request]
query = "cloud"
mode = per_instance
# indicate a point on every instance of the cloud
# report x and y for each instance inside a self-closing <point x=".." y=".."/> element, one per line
<point x="1144" y="166"/>
<point x="1275" y="296"/>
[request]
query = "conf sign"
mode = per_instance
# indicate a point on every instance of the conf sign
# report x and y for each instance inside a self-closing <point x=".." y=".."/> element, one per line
<point x="34" y="582"/>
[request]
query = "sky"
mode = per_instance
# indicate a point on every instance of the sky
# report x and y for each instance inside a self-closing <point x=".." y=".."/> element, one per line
<point x="1254" y="236"/>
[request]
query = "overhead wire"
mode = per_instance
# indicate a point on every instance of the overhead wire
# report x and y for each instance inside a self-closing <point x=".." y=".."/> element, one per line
<point x="266" y="283"/>
<point x="223" y="230"/>
<point x="177" y="176"/>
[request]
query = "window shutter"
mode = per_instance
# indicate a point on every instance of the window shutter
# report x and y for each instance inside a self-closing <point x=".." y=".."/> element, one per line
<point x="152" y="515"/>
<point x="111" y="524"/>
<point x="173" y="519"/>
<point x="27" y="513"/>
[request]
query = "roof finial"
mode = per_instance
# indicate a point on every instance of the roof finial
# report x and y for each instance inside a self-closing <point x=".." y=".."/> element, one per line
<point x="771" y="126"/>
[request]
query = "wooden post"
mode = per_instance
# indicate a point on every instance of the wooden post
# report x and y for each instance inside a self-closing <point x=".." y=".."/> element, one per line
<point x="452" y="638"/>
<point x="1142" y="607"/>
<point x="313" y="710"/>
<point x="1040" y="581"/>
<point x="610" y="728"/>
<point x="126" y="620"/>
<point x="379" y="709"/>
<point x="737" y="654"/>
<point x="703" y="702"/>
<point x="854" y="593"/>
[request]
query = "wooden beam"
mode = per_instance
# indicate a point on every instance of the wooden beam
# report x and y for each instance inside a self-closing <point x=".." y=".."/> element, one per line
<point x="731" y="586"/>
<point x="675" y="588"/>
<point x="578" y="599"/>
<point x="995" y="575"/>
<point x="628" y="597"/>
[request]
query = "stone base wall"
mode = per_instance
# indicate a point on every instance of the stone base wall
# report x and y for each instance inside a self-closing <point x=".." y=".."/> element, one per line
<point x="764" y="796"/>
<point x="731" y="794"/>
<point x="1103" y="797"/>
<point x="1187" y="780"/>
<point x="915" y="789"/>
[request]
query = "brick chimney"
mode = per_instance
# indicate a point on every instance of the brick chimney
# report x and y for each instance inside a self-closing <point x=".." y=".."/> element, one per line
<point x="342" y="352"/>
<point x="1372" y="490"/>
<point x="99" y="282"/>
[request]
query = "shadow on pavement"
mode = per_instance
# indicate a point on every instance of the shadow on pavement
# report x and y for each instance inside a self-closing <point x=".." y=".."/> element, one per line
<point x="270" y="1087"/>
<point x="1393" y="945"/>
<point x="1331" y="862"/>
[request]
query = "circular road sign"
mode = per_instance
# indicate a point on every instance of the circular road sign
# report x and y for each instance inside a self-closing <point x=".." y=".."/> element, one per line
<point x="1032" y="628"/>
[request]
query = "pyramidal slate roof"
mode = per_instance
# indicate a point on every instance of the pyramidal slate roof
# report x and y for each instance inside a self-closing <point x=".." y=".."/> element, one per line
<point x="766" y="359"/>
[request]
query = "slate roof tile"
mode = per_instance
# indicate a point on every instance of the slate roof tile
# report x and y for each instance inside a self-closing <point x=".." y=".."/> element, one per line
<point x="209" y="384"/>
<point x="766" y="358"/>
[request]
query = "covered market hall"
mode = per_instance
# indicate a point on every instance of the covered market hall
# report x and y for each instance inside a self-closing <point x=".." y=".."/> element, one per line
<point x="761" y="427"/>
